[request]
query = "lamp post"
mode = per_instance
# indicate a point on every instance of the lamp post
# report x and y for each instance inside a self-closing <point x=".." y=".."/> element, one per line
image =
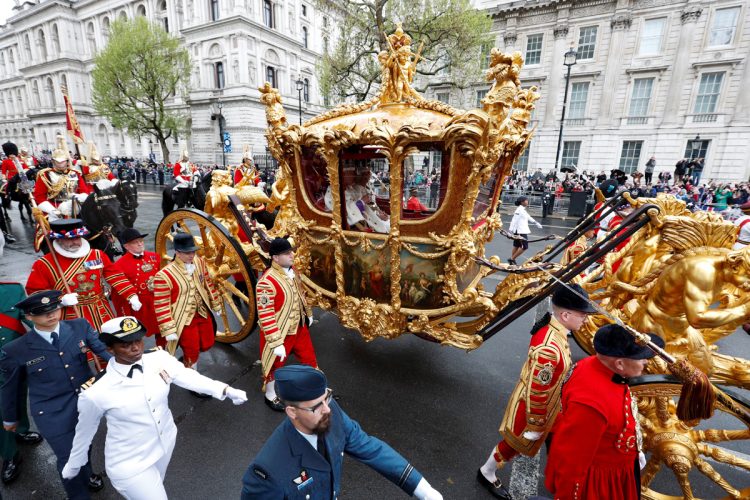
<point x="219" y="107"/>
<point x="151" y="150"/>
<point x="300" y="86"/>
<point x="569" y="61"/>
<point x="695" y="146"/>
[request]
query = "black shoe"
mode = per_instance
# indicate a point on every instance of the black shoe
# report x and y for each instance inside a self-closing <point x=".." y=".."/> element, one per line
<point x="29" y="438"/>
<point x="274" y="404"/>
<point x="497" y="489"/>
<point x="11" y="469"/>
<point x="512" y="262"/>
<point x="96" y="482"/>
<point x="9" y="238"/>
<point x="200" y="395"/>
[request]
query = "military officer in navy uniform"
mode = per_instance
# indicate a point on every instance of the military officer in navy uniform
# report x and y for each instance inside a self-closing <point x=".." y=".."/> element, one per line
<point x="133" y="395"/>
<point x="52" y="359"/>
<point x="303" y="457"/>
<point x="11" y="328"/>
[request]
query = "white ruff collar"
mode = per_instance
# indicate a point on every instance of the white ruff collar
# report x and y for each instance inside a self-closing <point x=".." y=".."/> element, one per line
<point x="81" y="252"/>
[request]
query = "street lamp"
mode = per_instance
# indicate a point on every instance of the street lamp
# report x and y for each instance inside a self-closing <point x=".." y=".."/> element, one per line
<point x="695" y="145"/>
<point x="218" y="106"/>
<point x="151" y="150"/>
<point x="300" y="86"/>
<point x="569" y="61"/>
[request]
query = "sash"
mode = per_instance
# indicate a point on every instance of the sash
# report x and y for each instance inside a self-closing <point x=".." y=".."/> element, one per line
<point x="12" y="324"/>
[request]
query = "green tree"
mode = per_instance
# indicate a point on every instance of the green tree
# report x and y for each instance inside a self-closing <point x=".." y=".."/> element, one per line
<point x="454" y="33"/>
<point x="137" y="75"/>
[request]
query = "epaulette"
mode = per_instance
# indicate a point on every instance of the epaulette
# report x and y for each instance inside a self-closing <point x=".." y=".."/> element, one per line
<point x="153" y="349"/>
<point x="92" y="380"/>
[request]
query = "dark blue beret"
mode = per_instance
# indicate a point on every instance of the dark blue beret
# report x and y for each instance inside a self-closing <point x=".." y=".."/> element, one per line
<point x="300" y="383"/>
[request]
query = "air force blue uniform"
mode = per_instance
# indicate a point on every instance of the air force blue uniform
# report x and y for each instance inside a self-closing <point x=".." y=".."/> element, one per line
<point x="288" y="467"/>
<point x="54" y="379"/>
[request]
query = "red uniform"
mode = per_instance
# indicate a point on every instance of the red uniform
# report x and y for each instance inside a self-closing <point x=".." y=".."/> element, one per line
<point x="241" y="171"/>
<point x="282" y="316"/>
<point x="595" y="447"/>
<point x="613" y="224"/>
<point x="85" y="276"/>
<point x="183" y="302"/>
<point x="94" y="173"/>
<point x="183" y="173"/>
<point x="8" y="168"/>
<point x="140" y="272"/>
<point x="415" y="205"/>
<point x="535" y="401"/>
<point x="48" y="182"/>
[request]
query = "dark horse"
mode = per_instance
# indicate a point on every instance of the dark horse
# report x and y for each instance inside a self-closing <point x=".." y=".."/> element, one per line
<point x="199" y="186"/>
<point x="127" y="194"/>
<point x="101" y="216"/>
<point x="19" y="192"/>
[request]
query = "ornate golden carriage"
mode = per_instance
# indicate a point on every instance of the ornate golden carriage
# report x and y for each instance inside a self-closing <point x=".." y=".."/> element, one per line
<point x="390" y="203"/>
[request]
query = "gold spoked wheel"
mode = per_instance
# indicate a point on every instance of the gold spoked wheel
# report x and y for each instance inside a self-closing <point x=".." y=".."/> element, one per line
<point x="700" y="456"/>
<point x="227" y="265"/>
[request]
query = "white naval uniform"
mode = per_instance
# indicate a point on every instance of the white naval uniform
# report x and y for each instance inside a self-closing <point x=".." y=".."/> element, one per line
<point x="141" y="433"/>
<point x="743" y="238"/>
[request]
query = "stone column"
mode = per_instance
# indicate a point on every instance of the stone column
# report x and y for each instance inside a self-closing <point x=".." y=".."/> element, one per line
<point x="510" y="36"/>
<point x="556" y="79"/>
<point x="742" y="110"/>
<point x="681" y="64"/>
<point x="620" y="24"/>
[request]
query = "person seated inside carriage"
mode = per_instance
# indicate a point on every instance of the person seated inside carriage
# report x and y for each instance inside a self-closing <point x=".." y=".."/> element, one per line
<point x="362" y="213"/>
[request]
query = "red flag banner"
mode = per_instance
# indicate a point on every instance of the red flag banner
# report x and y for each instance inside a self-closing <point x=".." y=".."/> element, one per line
<point x="74" y="129"/>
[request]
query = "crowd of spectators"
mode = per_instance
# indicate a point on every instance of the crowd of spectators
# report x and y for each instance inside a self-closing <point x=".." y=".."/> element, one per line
<point x="684" y="182"/>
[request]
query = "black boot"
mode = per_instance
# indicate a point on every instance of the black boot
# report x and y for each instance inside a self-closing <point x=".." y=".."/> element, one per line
<point x="9" y="238"/>
<point x="96" y="482"/>
<point x="11" y="469"/>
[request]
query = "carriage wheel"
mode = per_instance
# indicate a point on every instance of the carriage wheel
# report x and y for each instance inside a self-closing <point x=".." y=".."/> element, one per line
<point x="227" y="265"/>
<point x="696" y="454"/>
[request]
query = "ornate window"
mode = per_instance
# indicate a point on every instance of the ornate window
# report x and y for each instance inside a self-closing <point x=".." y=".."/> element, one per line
<point x="268" y="13"/>
<point x="304" y="36"/>
<point x="271" y="76"/>
<point x="219" y="81"/>
<point x="534" y="48"/>
<point x="425" y="181"/>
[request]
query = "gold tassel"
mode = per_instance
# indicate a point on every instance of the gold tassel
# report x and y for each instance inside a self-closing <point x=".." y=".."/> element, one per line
<point x="697" y="397"/>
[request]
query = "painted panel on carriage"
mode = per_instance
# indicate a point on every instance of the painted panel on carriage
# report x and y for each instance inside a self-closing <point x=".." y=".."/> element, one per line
<point x="323" y="264"/>
<point x="368" y="274"/>
<point x="421" y="286"/>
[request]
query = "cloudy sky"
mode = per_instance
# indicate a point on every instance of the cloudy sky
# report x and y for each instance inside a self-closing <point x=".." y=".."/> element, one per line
<point x="6" y="7"/>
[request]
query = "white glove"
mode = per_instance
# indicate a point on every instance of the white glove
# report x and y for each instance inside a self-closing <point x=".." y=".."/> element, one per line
<point x="135" y="303"/>
<point x="532" y="435"/>
<point x="172" y="337"/>
<point x="280" y="352"/>
<point x="69" y="472"/>
<point x="424" y="491"/>
<point x="641" y="460"/>
<point x="81" y="197"/>
<point x="539" y="225"/>
<point x="70" y="299"/>
<point x="309" y="321"/>
<point x="237" y="396"/>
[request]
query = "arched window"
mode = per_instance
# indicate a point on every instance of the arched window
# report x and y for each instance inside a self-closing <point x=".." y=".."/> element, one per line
<point x="123" y="15"/>
<point x="50" y="90"/>
<point x="35" y="94"/>
<point x="140" y="11"/>
<point x="213" y="7"/>
<point x="219" y="75"/>
<point x="306" y="90"/>
<point x="55" y="39"/>
<point x="162" y="13"/>
<point x="304" y="36"/>
<point x="105" y="29"/>
<point x="26" y="46"/>
<point x="268" y="13"/>
<point x="41" y="40"/>
<point x="271" y="76"/>
<point x="103" y="135"/>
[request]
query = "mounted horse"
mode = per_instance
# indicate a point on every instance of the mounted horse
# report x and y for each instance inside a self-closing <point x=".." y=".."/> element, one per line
<point x="127" y="194"/>
<point x="101" y="214"/>
<point x="196" y="196"/>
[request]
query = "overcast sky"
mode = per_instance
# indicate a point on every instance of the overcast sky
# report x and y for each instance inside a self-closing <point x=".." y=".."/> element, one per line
<point x="6" y="7"/>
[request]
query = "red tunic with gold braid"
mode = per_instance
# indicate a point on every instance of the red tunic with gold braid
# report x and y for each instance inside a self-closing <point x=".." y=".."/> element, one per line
<point x="595" y="449"/>
<point x="86" y="277"/>
<point x="140" y="272"/>
<point x="535" y="401"/>
<point x="49" y="177"/>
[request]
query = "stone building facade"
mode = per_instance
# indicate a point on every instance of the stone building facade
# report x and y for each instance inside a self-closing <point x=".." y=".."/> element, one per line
<point x="650" y="76"/>
<point x="234" y="45"/>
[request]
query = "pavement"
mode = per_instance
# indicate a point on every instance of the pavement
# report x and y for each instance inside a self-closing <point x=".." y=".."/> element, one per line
<point x="439" y="406"/>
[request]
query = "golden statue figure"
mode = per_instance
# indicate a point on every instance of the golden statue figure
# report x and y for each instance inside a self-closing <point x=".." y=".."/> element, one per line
<point x="398" y="68"/>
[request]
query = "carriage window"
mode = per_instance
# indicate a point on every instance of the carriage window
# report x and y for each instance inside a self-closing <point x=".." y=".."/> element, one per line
<point x="425" y="181"/>
<point x="484" y="197"/>
<point x="315" y="179"/>
<point x="365" y="190"/>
